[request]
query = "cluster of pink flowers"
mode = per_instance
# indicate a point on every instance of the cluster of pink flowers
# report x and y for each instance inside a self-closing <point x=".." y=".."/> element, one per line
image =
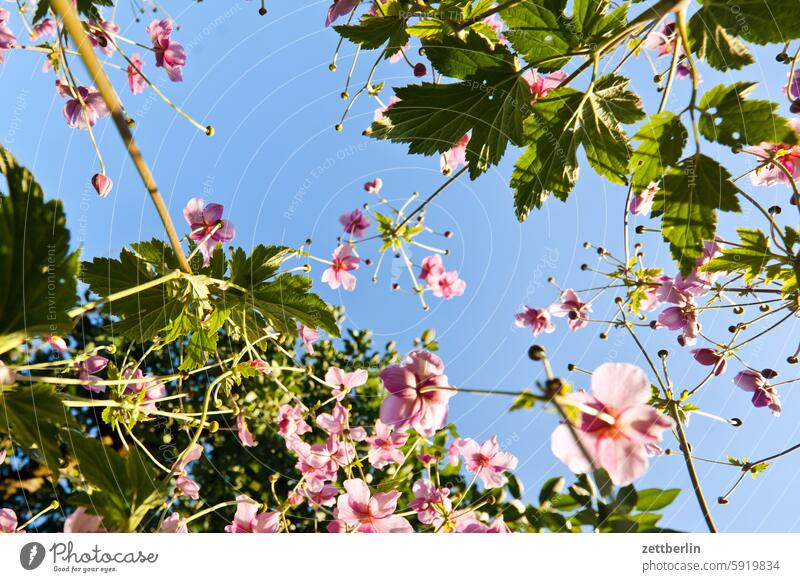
<point x="442" y="283"/>
<point x="568" y="305"/>
<point x="208" y="227"/>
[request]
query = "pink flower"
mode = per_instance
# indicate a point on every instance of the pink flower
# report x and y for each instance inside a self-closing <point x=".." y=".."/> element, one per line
<point x="248" y="520"/>
<point x="3" y="453"/>
<point x="572" y="307"/>
<point x="398" y="56"/>
<point x="542" y="85"/>
<point x="87" y="370"/>
<point x="84" y="107"/>
<point x="192" y="455"/>
<point x="374" y="187"/>
<point x="430" y="502"/>
<point x="655" y="293"/>
<point x="44" y="28"/>
<point x="7" y="38"/>
<point x="321" y="494"/>
<point x="7" y="375"/>
<point x="245" y="436"/>
<point x="698" y="282"/>
<point x="455" y="156"/>
<point x="99" y="34"/>
<point x="308" y="336"/>
<point x="709" y="357"/>
<point x="414" y="396"/>
<point x="642" y="203"/>
<point x="470" y="524"/>
<point x="169" y="54"/>
<point x="291" y="421"/>
<point x="260" y="366"/>
<point x="81" y="522"/>
<point x="338" y="422"/>
<point x="381" y="110"/>
<point x="764" y="394"/>
<point x="496" y="25"/>
<point x="684" y="317"/>
<point x="344" y="261"/>
<point x="537" y="319"/>
<point x="343" y="381"/>
<point x="174" y="524"/>
<point x="487" y="461"/>
<point x="135" y="79"/>
<point x="8" y="518"/>
<point x="620" y="392"/>
<point x="102" y="184"/>
<point x="146" y="389"/>
<point x="57" y="343"/>
<point x="339" y="8"/>
<point x="663" y="39"/>
<point x="447" y="285"/>
<point x="788" y="155"/>
<point x="355" y="223"/>
<point x="370" y="514"/>
<point x="207" y="226"/>
<point x="188" y="487"/>
<point x="384" y="447"/>
<point x="432" y="267"/>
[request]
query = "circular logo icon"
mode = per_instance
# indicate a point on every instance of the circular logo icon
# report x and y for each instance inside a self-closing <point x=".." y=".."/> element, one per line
<point x="31" y="555"/>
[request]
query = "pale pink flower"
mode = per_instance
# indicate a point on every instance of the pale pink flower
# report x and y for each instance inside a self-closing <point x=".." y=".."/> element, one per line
<point x="384" y="446"/>
<point x="770" y="173"/>
<point x="88" y="369"/>
<point x="764" y="394"/>
<point x="454" y="157"/>
<point x="84" y="106"/>
<point x="248" y="520"/>
<point x="338" y="422"/>
<point x="496" y="25"/>
<point x="7" y="375"/>
<point x="370" y="513"/>
<point x="169" y="54"/>
<point x="3" y="453"/>
<point x="572" y="307"/>
<point x="344" y="261"/>
<point x="487" y="461"/>
<point x="194" y="453"/>
<point x="344" y="382"/>
<point x="308" y="336"/>
<point x="291" y="421"/>
<point x="698" y="282"/>
<point x="174" y="524"/>
<point x="709" y="357"/>
<point x="432" y="267"/>
<point x="260" y="366"/>
<point x="330" y="455"/>
<point x="45" y="28"/>
<point x="208" y="227"/>
<point x="373" y="187"/>
<point x="430" y="502"/>
<point x="8" y="518"/>
<point x="470" y="524"/>
<point x="621" y="393"/>
<point x="541" y="85"/>
<point x="683" y="317"/>
<point x="447" y="285"/>
<point x="136" y="81"/>
<point x="655" y="293"/>
<point x="415" y="398"/>
<point x="187" y="486"/>
<point x="339" y="8"/>
<point x="82" y="522"/>
<point x="321" y="494"/>
<point x="662" y="39"/>
<point x="245" y="436"/>
<point x="381" y="110"/>
<point x="147" y="388"/>
<point x="356" y="223"/>
<point x="7" y="38"/>
<point x="99" y="34"/>
<point x="537" y="319"/>
<point x="102" y="184"/>
<point x="57" y="343"/>
<point x="642" y="203"/>
<point x="426" y="458"/>
<point x="398" y="56"/>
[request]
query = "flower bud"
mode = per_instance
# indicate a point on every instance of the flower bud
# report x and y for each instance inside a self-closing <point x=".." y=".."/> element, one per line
<point x="420" y="70"/>
<point x="102" y="184"/>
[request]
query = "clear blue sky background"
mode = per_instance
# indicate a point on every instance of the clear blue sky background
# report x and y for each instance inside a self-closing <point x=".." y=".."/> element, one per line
<point x="284" y="175"/>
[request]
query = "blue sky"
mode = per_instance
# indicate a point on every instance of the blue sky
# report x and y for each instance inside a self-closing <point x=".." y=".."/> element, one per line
<point x="285" y="175"/>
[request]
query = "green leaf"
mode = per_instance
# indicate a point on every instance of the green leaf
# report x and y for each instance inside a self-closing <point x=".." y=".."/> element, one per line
<point x="374" y="31"/>
<point x="524" y="401"/>
<point x="464" y="58"/>
<point x="89" y="8"/>
<point x="721" y="49"/>
<point x="661" y="142"/>
<point x="122" y="489"/>
<point x="693" y="192"/>
<point x="730" y="118"/>
<point x="550" y="489"/>
<point x="750" y="258"/>
<point x="757" y="21"/>
<point x="655" y="499"/>
<point x="36" y="266"/>
<point x="32" y="415"/>
<point x="263" y="263"/>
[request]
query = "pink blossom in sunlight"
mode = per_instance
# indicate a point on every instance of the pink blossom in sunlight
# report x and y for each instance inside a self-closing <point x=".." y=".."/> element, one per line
<point x="308" y="335"/>
<point x="642" y="203"/>
<point x="496" y="25"/>
<point x="699" y="282"/>
<point x="654" y="293"/>
<point x="82" y="522"/>
<point x="541" y="85"/>
<point x="320" y="494"/>
<point x="786" y="155"/>
<point x="57" y="343"/>
<point x="84" y="106"/>
<point x="343" y="382"/>
<point x="260" y="366"/>
<point x="245" y="436"/>
<point x="146" y="388"/>
<point x="248" y="520"/>
<point x="169" y="54"/>
<point x="7" y="38"/>
<point x="207" y="226"/>
<point x="470" y="524"/>
<point x="455" y="156"/>
<point x="709" y="357"/>
<point x="338" y="274"/>
<point x="374" y="186"/>
<point x="415" y="398"/>
<point x="384" y="446"/>
<point x="174" y="524"/>
<point x="3" y="454"/>
<point x="136" y="81"/>
<point x="430" y="502"/>
<point x="7" y="375"/>
<point x="537" y="319"/>
<point x="572" y="307"/>
<point x="367" y="513"/>
<point x="338" y="9"/>
<point x="88" y="369"/>
<point x="616" y="435"/>
<point x="764" y="394"/>
<point x="447" y="285"/>
<point x="100" y="33"/>
<point x="398" y="56"/>
<point x="356" y="223"/>
<point x="682" y="316"/>
<point x="291" y="421"/>
<point x="337" y="422"/>
<point x="432" y="267"/>
<point x="662" y="39"/>
<point x="487" y="462"/>
<point x="381" y="110"/>
<point x="45" y="28"/>
<point x="8" y="520"/>
<point x="102" y="184"/>
<point x="188" y="487"/>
